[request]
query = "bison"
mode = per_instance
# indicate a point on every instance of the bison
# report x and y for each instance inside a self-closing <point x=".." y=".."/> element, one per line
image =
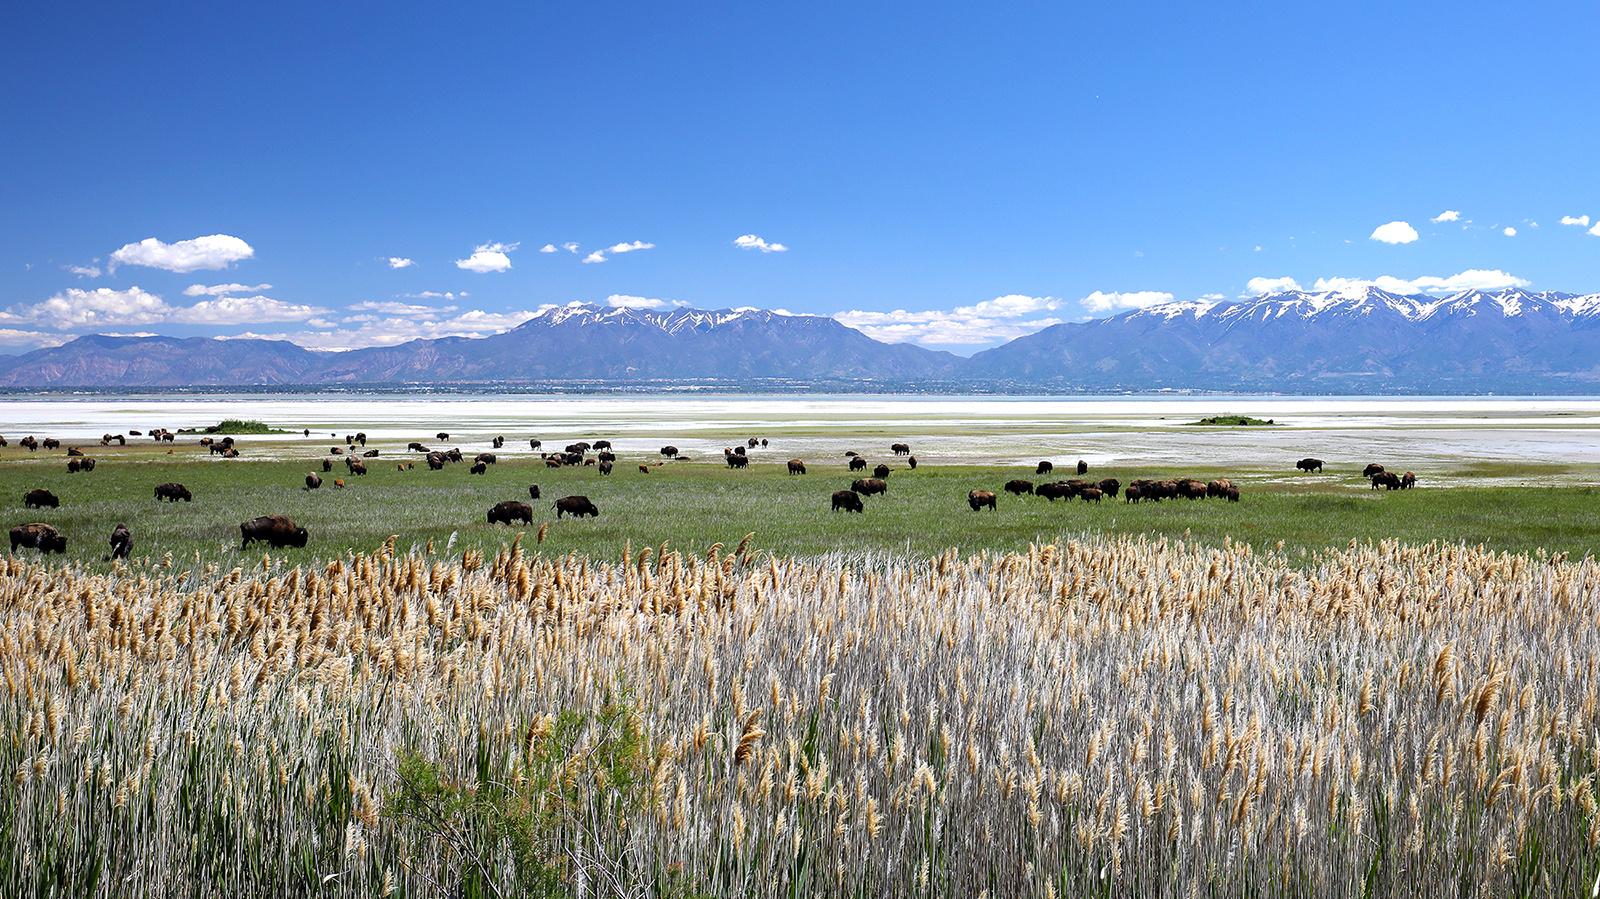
<point x="1133" y="494"/>
<point x="602" y="445"/>
<point x="1386" y="479"/>
<point x="361" y="438"/>
<point x="1044" y="467"/>
<point x="1371" y="470"/>
<point x="1309" y="464"/>
<point x="511" y="508"/>
<point x="534" y="443"/>
<point x="605" y="466"/>
<point x="869" y="486"/>
<point x="737" y="460"/>
<point x="797" y="467"/>
<point x="278" y="530"/>
<point x="912" y="461"/>
<point x="442" y="436"/>
<point x="881" y="472"/>
<point x="1019" y="487"/>
<point x="1407" y="481"/>
<point x="478" y="468"/>
<point x="40" y="498"/>
<point x="1054" y="491"/>
<point x="172" y="492"/>
<point x="977" y="499"/>
<point x="38" y="535"/>
<point x="669" y="450"/>
<point x="356" y="466"/>
<point x="576" y="506"/>
<point x="1219" y="487"/>
<point x="533" y="491"/>
<point x="1091" y="494"/>
<point x="1083" y="467"/>
<point x="1109" y="486"/>
<point x="858" y="463"/>
<point x="370" y="454"/>
<point x="498" y="442"/>
<point x="327" y="465"/>
<point x="434" y="459"/>
<point x="644" y="469"/>
<point x="900" y="449"/>
<point x="415" y="447"/>
<point x="121" y="542"/>
<point x="848" y="500"/>
<point x="485" y="458"/>
<point x="313" y="481"/>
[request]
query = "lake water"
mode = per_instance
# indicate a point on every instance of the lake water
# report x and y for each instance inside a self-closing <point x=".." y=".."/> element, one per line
<point x="1106" y="432"/>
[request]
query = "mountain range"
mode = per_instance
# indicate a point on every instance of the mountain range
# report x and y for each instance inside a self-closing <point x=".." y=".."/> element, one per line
<point x="1356" y="340"/>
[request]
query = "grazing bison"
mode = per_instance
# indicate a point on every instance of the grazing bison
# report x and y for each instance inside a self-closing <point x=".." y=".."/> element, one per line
<point x="1083" y="467"/>
<point x="313" y="481"/>
<point x="869" y="486"/>
<point x="434" y="459"/>
<point x="669" y="450"/>
<point x="1371" y="470"/>
<point x="977" y="499"/>
<point x="900" y="449"/>
<point x="1044" y="467"/>
<point x="848" y="500"/>
<point x="1133" y="494"/>
<point x="1054" y="491"/>
<point x="912" y="461"/>
<point x="38" y="535"/>
<point x="797" y="467"/>
<point x="511" y="508"/>
<point x="71" y="450"/>
<point x="172" y="492"/>
<point x="441" y="436"/>
<point x="1407" y="481"/>
<point x="415" y="447"/>
<point x="85" y="464"/>
<point x="121" y="542"/>
<point x="858" y="463"/>
<point x="602" y="444"/>
<point x="1309" y="464"/>
<point x="1231" y="494"/>
<point x="533" y="491"/>
<point x="1386" y="479"/>
<point x="738" y="451"/>
<point x="327" y="465"/>
<point x="1189" y="488"/>
<point x="606" y="456"/>
<point x="52" y="443"/>
<point x="576" y="506"/>
<point x="478" y="468"/>
<point x="1110" y="486"/>
<point x="339" y="483"/>
<point x="605" y="466"/>
<point x="453" y="454"/>
<point x="278" y="530"/>
<point x="356" y="466"/>
<point x="534" y="443"/>
<point x="40" y="498"/>
<point x="882" y="471"/>
<point x="1219" y="487"/>
<point x="738" y="460"/>
<point x="644" y="469"/>
<point x="1091" y="494"/>
<point x="361" y="438"/>
<point x="30" y="443"/>
<point x="1019" y="487"/>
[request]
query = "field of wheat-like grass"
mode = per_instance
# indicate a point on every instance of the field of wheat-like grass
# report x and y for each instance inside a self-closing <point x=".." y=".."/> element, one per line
<point x="1118" y="716"/>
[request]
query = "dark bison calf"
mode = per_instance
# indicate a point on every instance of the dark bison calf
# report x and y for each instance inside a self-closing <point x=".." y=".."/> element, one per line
<point x="576" y="506"/>
<point x="848" y="500"/>
<point x="511" y="508"/>
<point x="1309" y="464"/>
<point x="1019" y="487"/>
<point x="278" y="530"/>
<point x="172" y="492"/>
<point x="121" y="542"/>
<point x="38" y="535"/>
<point x="977" y="499"/>
<point x="869" y="486"/>
<point x="40" y="498"/>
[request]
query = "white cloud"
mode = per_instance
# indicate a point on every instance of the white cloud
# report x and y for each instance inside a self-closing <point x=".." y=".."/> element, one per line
<point x="622" y="301"/>
<point x="1595" y="230"/>
<point x="197" y="290"/>
<point x="212" y="252"/>
<point x="1510" y="231"/>
<point x="981" y="324"/>
<point x="387" y="308"/>
<point x="1472" y="279"/>
<point x="1258" y="286"/>
<point x="1581" y="221"/>
<point x="73" y="308"/>
<point x="490" y="257"/>
<point x="1212" y="296"/>
<point x="752" y="242"/>
<point x="431" y="295"/>
<point x="1394" y="232"/>
<point x="600" y="255"/>
<point x="569" y="246"/>
<point x="1449" y="215"/>
<point x="1111" y="302"/>
<point x="1009" y="306"/>
<point x="548" y="248"/>
<point x="30" y="339"/>
<point x="236" y="310"/>
<point x="401" y="262"/>
<point x="84" y="271"/>
<point x="372" y="331"/>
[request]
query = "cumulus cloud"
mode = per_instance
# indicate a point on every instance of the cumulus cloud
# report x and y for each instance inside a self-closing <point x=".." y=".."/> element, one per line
<point x="234" y="310"/>
<point x="1098" y="301"/>
<point x="1258" y="286"/>
<point x="215" y="251"/>
<point x="1472" y="279"/>
<point x="1595" y="230"/>
<point x="1510" y="231"/>
<point x="981" y="324"/>
<point x="199" y="290"/>
<point x="622" y="301"/>
<point x="1010" y="306"/>
<point x="101" y="308"/>
<point x="491" y="257"/>
<point x="93" y="271"/>
<point x="1394" y="232"/>
<point x="30" y="339"/>
<point x="600" y="255"/>
<point x="401" y="262"/>
<point x="752" y="242"/>
<point x="1449" y="215"/>
<point x="431" y="295"/>
<point x="1581" y="221"/>
<point x="387" y="308"/>
<point x="358" y="331"/>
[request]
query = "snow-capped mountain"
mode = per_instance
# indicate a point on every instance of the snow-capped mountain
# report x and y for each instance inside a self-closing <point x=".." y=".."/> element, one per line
<point x="1362" y="339"/>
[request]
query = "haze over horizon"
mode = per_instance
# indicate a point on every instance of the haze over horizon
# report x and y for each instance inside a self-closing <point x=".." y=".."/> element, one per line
<point x="947" y="177"/>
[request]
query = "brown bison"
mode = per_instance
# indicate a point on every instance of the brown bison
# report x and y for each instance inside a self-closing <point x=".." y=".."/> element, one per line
<point x="1044" y="467"/>
<point x="478" y="468"/>
<point x="172" y="492"/>
<point x="1309" y="464"/>
<point x="1386" y="479"/>
<point x="848" y="500"/>
<point x="602" y="444"/>
<point x="977" y="499"/>
<point x="356" y="466"/>
<point x="313" y="481"/>
<point x="1231" y="494"/>
<point x="881" y="472"/>
<point x="327" y="465"/>
<point x="858" y="463"/>
<point x="370" y="454"/>
<point x="737" y="460"/>
<point x="1133" y="494"/>
<point x="498" y="442"/>
<point x="912" y="461"/>
<point x="415" y="448"/>
<point x="869" y="486"/>
<point x="1019" y="487"/>
<point x="1054" y="491"/>
<point x="1407" y="481"/>
<point x="336" y="450"/>
<point x="1219" y="487"/>
<point x="87" y="463"/>
<point x="576" y="506"/>
<point x="38" y="535"/>
<point x="1083" y="467"/>
<point x="434" y="459"/>
<point x="485" y="458"/>
<point x="534" y="443"/>
<point x="121" y="542"/>
<point x="797" y="467"/>
<point x="605" y="466"/>
<point x="442" y="436"/>
<point x="1371" y="470"/>
<point x="1189" y="488"/>
<point x="644" y="469"/>
<point x="533" y="491"/>
<point x="40" y="498"/>
<point x="1109" y="486"/>
<point x="338" y="483"/>
<point x="278" y="530"/>
<point x="361" y="438"/>
<point x="1091" y="494"/>
<point x="669" y="450"/>
<point x="511" y="508"/>
<point x="900" y="449"/>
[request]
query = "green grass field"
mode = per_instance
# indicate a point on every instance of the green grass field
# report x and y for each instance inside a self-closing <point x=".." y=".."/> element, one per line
<point x="691" y="505"/>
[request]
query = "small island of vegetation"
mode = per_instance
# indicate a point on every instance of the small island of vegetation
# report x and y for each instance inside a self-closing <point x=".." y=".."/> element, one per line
<point x="234" y="426"/>
<point x="1233" y="420"/>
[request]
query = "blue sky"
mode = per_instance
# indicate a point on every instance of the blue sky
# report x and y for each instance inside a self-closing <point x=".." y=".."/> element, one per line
<point x="358" y="174"/>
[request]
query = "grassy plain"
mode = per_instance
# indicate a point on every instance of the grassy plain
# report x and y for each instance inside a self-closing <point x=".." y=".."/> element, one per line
<point x="691" y="505"/>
